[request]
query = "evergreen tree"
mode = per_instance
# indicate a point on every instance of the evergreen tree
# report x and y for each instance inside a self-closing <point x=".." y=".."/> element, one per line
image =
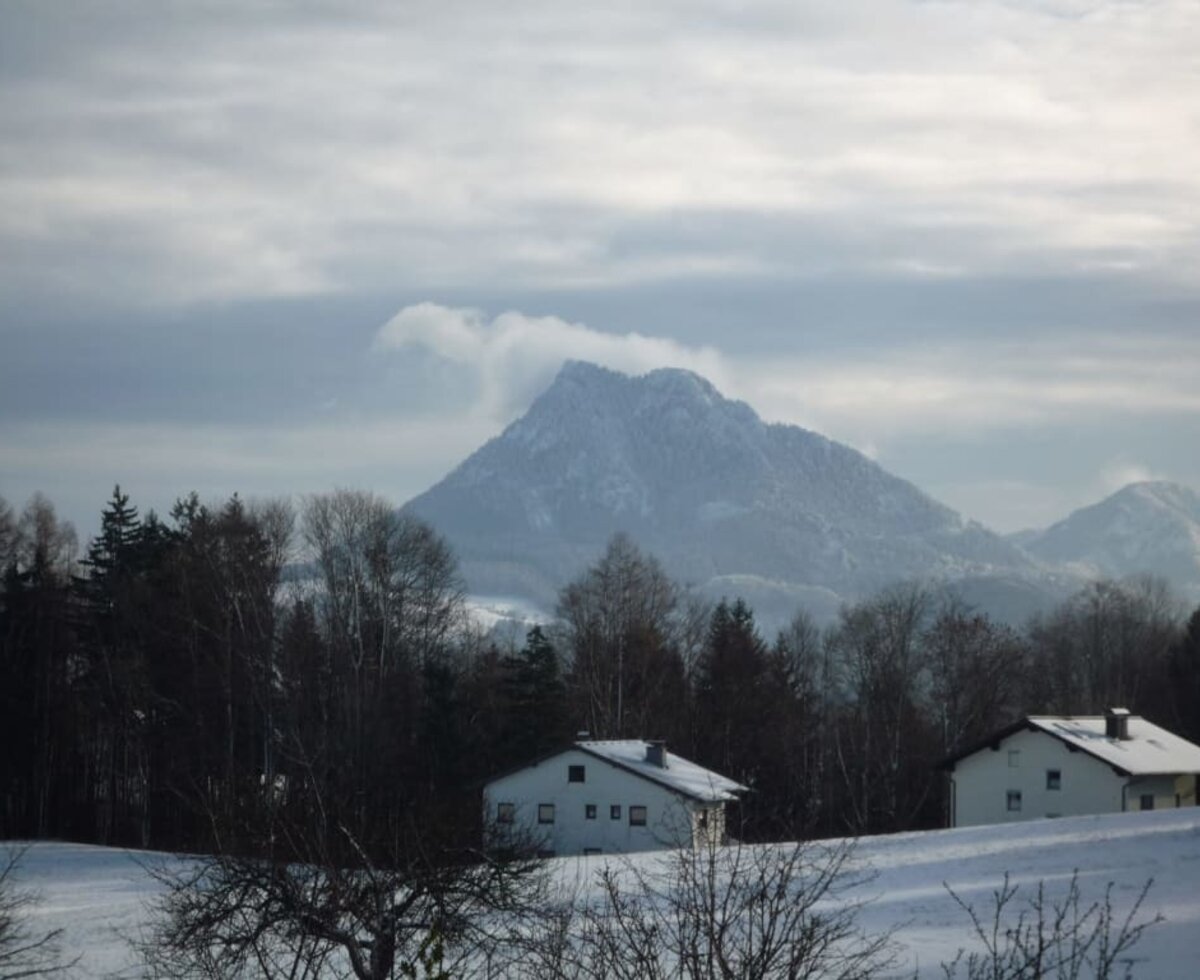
<point x="730" y="690"/>
<point x="535" y="701"/>
<point x="1183" y="671"/>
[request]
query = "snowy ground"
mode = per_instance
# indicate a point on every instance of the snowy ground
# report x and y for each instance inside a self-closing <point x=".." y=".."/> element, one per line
<point x="98" y="895"/>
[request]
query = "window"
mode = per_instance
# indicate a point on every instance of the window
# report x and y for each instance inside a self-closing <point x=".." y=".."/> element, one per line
<point x="591" y="850"/>
<point x="614" y="811"/>
<point x="1053" y="779"/>
<point x="545" y="813"/>
<point x="702" y="820"/>
<point x="505" y="812"/>
<point x="1014" y="799"/>
<point x="589" y="811"/>
<point x="1053" y="816"/>
<point x="1014" y="758"/>
<point x="1147" y="801"/>
<point x="637" y="816"/>
<point x="575" y="774"/>
<point x="546" y="853"/>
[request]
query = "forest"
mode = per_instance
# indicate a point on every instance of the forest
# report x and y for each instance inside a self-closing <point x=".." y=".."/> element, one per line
<point x="179" y="683"/>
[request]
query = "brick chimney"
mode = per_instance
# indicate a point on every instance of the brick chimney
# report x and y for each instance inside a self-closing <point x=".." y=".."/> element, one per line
<point x="1116" y="723"/>
<point x="656" y="753"/>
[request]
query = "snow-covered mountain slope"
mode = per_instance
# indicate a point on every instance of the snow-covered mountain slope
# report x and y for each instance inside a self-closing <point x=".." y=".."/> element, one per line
<point x="1144" y="527"/>
<point x="729" y="503"/>
<point x="99" y="895"/>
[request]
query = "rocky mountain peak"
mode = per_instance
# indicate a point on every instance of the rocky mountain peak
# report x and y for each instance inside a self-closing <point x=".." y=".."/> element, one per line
<point x="726" y="501"/>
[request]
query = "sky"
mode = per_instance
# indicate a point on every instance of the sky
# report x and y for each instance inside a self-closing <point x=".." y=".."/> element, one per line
<point x="281" y="247"/>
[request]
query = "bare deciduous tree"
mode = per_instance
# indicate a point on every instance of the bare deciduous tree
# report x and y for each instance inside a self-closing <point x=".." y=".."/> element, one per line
<point x="321" y="906"/>
<point x="877" y="654"/>
<point x="1064" y="939"/>
<point x="625" y="623"/>
<point x="975" y="667"/>
<point x="750" y="912"/>
<point x="8" y="535"/>
<point x="24" y="951"/>
<point x="391" y="584"/>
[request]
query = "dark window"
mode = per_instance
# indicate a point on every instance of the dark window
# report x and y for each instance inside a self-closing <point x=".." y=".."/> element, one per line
<point x="589" y="811"/>
<point x="1014" y="799"/>
<point x="575" y="774"/>
<point x="505" y="812"/>
<point x="1053" y="779"/>
<point x="614" y="811"/>
<point x="592" y="850"/>
<point x="1147" y="801"/>
<point x="702" y="821"/>
<point x="545" y="813"/>
<point x="637" y="816"/>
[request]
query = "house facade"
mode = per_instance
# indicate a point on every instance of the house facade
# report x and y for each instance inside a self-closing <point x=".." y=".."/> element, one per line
<point x="606" y="797"/>
<point x="1058" y="766"/>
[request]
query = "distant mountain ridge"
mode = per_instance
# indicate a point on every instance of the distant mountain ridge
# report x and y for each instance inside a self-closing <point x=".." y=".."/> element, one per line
<point x="1144" y="528"/>
<point x="728" y="503"/>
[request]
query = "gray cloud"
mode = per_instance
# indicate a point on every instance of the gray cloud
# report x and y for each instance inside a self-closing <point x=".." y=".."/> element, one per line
<point x="218" y="153"/>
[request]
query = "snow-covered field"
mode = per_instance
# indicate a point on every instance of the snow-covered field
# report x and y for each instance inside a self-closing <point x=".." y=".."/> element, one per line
<point x="98" y="895"/>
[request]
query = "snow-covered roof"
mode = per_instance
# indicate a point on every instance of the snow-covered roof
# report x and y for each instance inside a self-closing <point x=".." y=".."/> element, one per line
<point x="678" y="774"/>
<point x="1149" y="750"/>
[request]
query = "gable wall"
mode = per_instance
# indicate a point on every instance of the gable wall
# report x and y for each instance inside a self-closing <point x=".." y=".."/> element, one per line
<point x="668" y="816"/>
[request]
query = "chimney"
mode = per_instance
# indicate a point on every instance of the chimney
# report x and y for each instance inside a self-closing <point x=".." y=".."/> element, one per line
<point x="656" y="753"/>
<point x="1116" y="723"/>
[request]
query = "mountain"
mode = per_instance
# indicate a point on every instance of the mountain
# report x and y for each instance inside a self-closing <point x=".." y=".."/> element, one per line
<point x="1149" y="527"/>
<point x="729" y="504"/>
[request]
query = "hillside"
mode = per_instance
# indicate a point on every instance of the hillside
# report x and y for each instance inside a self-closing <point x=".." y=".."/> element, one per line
<point x="1151" y="527"/>
<point x="97" y="894"/>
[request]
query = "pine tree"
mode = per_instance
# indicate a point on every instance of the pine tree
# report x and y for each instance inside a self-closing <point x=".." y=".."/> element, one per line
<point x="1183" y="670"/>
<point x="535" y="700"/>
<point x="730" y="687"/>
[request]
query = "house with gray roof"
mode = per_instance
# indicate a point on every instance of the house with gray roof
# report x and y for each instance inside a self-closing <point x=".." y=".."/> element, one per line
<point x="608" y="796"/>
<point x="1062" y="765"/>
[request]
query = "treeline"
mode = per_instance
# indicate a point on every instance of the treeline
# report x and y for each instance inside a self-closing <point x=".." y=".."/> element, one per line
<point x="185" y="680"/>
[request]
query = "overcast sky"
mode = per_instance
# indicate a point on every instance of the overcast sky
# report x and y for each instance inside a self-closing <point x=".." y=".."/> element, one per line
<point x="277" y="247"/>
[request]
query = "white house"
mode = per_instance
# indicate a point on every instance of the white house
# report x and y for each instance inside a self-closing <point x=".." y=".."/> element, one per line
<point x="608" y="796"/>
<point x="1046" y="766"/>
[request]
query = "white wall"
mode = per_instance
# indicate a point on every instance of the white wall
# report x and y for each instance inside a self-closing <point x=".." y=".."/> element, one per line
<point x="981" y="782"/>
<point x="1164" y="789"/>
<point x="668" y="816"/>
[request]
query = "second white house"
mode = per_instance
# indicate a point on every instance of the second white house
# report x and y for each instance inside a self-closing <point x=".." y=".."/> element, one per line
<point x="1058" y="766"/>
<point x="608" y="796"/>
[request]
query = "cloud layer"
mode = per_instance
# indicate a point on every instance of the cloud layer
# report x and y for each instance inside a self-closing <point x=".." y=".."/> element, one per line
<point x="235" y="151"/>
<point x="964" y="385"/>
